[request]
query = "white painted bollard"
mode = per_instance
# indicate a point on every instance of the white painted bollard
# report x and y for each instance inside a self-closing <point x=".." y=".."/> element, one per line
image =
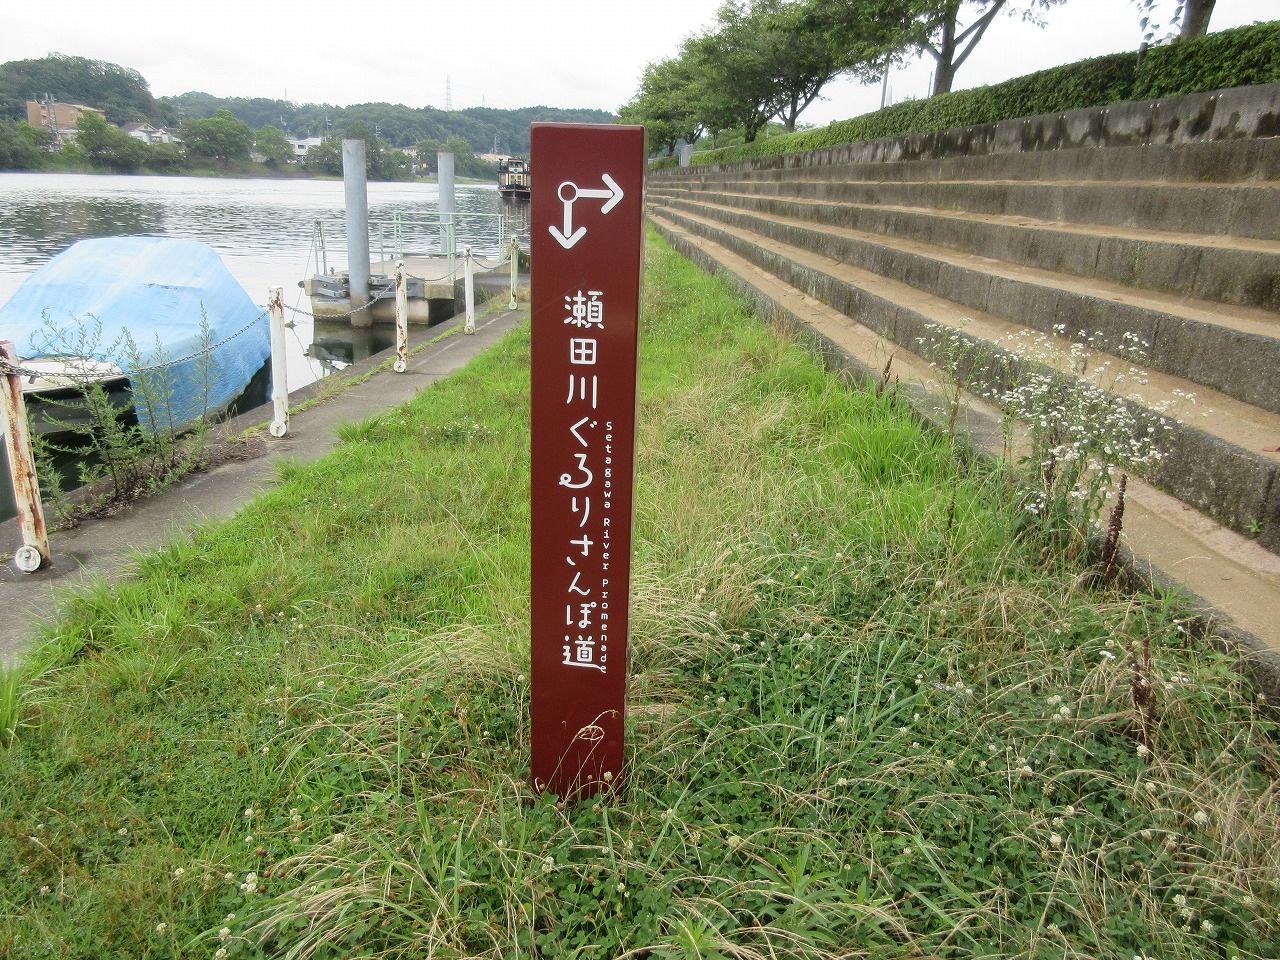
<point x="34" y="552"/>
<point x="469" y="291"/>
<point x="402" y="320"/>
<point x="513" y="253"/>
<point x="279" y="374"/>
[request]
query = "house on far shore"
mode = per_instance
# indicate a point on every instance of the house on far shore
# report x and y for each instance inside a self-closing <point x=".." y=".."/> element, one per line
<point x="58" y="118"/>
<point x="300" y="147"/>
<point x="141" y="130"/>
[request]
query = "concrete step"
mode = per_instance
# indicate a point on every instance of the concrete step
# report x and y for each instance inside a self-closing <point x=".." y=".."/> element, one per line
<point x="1223" y="161"/>
<point x="1221" y="458"/>
<point x="1231" y="350"/>
<point x="1247" y="210"/>
<point x="1228" y="269"/>
<point x="1225" y="570"/>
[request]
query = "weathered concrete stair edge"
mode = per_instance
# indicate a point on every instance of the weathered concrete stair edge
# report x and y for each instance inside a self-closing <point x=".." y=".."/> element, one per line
<point x="1237" y="485"/>
<point x="1253" y="161"/>
<point x="1241" y="363"/>
<point x="1232" y="210"/>
<point x="1220" y="115"/>
<point x="1185" y="557"/>
<point x="1183" y="264"/>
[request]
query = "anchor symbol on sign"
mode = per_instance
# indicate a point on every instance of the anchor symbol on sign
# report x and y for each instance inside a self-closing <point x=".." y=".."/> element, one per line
<point x="569" y="192"/>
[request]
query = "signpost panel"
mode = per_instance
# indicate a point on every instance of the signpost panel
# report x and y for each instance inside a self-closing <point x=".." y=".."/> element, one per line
<point x="587" y="248"/>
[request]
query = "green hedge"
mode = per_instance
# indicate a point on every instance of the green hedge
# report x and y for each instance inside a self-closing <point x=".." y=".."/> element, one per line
<point x="1230" y="58"/>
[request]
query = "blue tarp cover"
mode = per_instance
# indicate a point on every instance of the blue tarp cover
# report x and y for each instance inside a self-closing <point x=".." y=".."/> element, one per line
<point x="155" y="290"/>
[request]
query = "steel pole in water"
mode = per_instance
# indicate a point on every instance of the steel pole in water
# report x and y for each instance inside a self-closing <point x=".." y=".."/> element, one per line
<point x="279" y="374"/>
<point x="34" y="552"/>
<point x="402" y="320"/>
<point x="514" y="255"/>
<point x="356" y="191"/>
<point x="469" y="291"/>
<point x="444" y="182"/>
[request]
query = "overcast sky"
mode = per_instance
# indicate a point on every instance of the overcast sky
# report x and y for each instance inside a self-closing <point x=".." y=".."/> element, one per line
<point x="500" y="54"/>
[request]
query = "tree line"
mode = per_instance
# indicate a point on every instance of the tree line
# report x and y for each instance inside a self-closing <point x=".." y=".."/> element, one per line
<point x="223" y="142"/>
<point x="765" y="61"/>
<point x="224" y="132"/>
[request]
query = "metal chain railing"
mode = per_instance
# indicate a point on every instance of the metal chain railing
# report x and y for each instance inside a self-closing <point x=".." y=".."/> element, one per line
<point x="7" y="368"/>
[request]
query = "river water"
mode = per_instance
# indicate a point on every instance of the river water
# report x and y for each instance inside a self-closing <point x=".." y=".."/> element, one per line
<point x="263" y="229"/>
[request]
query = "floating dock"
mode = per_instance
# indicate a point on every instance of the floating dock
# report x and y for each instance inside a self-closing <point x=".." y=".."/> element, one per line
<point x="434" y="286"/>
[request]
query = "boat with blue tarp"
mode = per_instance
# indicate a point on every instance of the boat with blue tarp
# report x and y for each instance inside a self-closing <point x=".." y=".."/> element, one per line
<point x="135" y="312"/>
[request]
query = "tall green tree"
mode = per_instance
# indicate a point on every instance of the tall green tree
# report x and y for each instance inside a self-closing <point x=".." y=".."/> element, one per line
<point x="21" y="145"/>
<point x="221" y="137"/>
<point x="667" y="104"/>
<point x="108" y="147"/>
<point x="772" y="58"/>
<point x="274" y="148"/>
<point x="733" y="66"/>
<point x="950" y="30"/>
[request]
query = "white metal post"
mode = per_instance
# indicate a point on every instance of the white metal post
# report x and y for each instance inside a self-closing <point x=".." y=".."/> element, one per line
<point x="34" y="552"/>
<point x="469" y="290"/>
<point x="279" y="374"/>
<point x="514" y="255"/>
<point x="402" y="319"/>
<point x="451" y="247"/>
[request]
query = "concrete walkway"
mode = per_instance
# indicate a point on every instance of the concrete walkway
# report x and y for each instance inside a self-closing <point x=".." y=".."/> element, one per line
<point x="105" y="549"/>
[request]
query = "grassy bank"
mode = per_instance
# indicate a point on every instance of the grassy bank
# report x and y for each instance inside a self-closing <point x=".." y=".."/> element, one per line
<point x="867" y="717"/>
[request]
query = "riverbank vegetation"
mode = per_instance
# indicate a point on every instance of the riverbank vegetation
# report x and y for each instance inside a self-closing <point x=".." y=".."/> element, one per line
<point x="870" y="713"/>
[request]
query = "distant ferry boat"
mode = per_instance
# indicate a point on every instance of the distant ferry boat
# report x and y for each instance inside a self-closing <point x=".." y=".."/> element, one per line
<point x="513" y="177"/>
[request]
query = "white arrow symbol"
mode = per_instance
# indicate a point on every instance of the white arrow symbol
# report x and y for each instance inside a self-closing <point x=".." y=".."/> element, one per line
<point x="569" y="192"/>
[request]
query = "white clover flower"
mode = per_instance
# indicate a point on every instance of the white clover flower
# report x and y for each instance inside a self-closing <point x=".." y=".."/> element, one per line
<point x="1025" y="770"/>
<point x="1142" y="750"/>
<point x="122" y="832"/>
<point x="161" y="927"/>
<point x="1055" y="839"/>
<point x="1206" y="927"/>
<point x="1201" y="818"/>
<point x="44" y="890"/>
<point x="178" y="873"/>
<point x="248" y="813"/>
<point x="224" y="933"/>
<point x="220" y="954"/>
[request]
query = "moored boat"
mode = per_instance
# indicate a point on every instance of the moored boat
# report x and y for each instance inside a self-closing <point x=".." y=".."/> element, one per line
<point x="159" y="316"/>
<point x="514" y="177"/>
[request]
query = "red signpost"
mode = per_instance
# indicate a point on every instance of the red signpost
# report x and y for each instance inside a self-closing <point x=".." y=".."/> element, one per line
<point x="587" y="246"/>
